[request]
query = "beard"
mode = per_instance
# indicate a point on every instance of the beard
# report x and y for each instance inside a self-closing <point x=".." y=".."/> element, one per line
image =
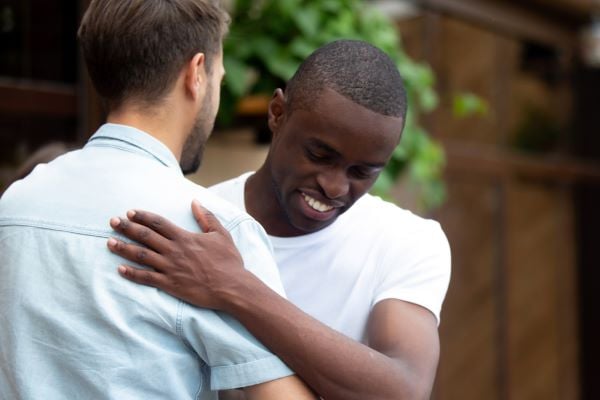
<point x="193" y="148"/>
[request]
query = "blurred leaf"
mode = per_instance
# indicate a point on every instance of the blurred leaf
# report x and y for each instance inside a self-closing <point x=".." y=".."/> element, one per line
<point x="307" y="19"/>
<point x="467" y="104"/>
<point x="332" y="6"/>
<point x="343" y="25"/>
<point x="237" y="77"/>
<point x="428" y="99"/>
<point x="537" y="131"/>
<point x="301" y="47"/>
<point x="269" y="38"/>
<point x="282" y="64"/>
<point x="288" y="7"/>
<point x="265" y="47"/>
<point x="383" y="184"/>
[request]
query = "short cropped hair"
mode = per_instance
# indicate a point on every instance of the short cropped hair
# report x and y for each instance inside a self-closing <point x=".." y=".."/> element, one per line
<point x="135" y="49"/>
<point x="355" y="69"/>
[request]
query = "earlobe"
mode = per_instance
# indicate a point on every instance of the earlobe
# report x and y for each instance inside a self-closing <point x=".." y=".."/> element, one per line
<point x="276" y="111"/>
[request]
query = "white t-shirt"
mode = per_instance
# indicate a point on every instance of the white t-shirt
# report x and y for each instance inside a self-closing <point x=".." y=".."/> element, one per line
<point x="374" y="251"/>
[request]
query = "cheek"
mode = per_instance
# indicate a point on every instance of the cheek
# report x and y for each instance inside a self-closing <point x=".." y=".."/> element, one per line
<point x="359" y="188"/>
<point x="289" y="161"/>
<point x="217" y="98"/>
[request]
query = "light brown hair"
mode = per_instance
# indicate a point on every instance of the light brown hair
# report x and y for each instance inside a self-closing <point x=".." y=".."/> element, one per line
<point x="135" y="49"/>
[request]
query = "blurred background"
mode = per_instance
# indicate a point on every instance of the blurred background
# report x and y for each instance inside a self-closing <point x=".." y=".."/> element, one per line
<point x="502" y="147"/>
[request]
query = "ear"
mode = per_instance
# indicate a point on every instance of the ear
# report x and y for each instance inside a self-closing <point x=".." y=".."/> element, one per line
<point x="276" y="111"/>
<point x="195" y="79"/>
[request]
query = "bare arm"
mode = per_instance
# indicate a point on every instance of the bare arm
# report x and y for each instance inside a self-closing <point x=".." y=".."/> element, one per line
<point x="231" y="395"/>
<point x="399" y="364"/>
<point x="288" y="388"/>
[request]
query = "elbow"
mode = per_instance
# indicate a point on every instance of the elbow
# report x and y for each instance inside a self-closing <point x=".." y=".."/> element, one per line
<point x="419" y="392"/>
<point x="410" y="392"/>
<point x="412" y="388"/>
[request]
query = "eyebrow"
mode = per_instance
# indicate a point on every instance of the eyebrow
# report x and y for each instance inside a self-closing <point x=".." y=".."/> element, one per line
<point x="325" y="147"/>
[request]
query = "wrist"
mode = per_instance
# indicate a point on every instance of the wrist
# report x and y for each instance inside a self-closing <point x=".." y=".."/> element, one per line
<point x="236" y="296"/>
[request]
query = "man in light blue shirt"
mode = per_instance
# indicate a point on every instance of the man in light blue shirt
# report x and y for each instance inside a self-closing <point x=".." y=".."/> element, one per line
<point x="71" y="328"/>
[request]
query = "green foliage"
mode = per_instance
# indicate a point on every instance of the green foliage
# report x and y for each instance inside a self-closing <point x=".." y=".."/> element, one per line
<point x="269" y="39"/>
<point x="467" y="104"/>
<point x="537" y="132"/>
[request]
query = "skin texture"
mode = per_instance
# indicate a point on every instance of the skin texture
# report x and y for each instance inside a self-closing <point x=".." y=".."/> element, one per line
<point x="193" y="148"/>
<point x="183" y="122"/>
<point x="288" y="388"/>
<point x="333" y="153"/>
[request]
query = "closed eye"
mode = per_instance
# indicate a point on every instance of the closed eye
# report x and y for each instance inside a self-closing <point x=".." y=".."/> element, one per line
<point x="317" y="157"/>
<point x="363" y="173"/>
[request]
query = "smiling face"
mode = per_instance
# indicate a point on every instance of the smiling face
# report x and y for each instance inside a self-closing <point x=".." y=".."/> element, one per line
<point x="321" y="161"/>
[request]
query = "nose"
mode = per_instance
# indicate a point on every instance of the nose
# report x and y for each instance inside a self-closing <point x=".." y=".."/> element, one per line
<point x="334" y="183"/>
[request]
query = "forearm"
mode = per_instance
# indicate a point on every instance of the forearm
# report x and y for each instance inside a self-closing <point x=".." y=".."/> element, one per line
<point x="335" y="366"/>
<point x="232" y="395"/>
<point x="288" y="388"/>
<point x="204" y="269"/>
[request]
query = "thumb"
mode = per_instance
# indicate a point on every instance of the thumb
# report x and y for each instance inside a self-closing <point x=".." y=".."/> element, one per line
<point x="207" y="220"/>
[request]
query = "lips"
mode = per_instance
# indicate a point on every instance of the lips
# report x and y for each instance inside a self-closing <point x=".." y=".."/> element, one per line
<point x="318" y="210"/>
<point x="316" y="204"/>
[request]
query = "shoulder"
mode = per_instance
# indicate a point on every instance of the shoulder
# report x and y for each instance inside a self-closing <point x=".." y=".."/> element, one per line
<point x="379" y="215"/>
<point x="413" y="255"/>
<point x="25" y="196"/>
<point x="232" y="189"/>
<point x="77" y="190"/>
<point x="229" y="214"/>
<point x="402" y="240"/>
<point x="231" y="183"/>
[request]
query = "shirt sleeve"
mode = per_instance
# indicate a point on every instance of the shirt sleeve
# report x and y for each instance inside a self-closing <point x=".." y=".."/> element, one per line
<point x="417" y="271"/>
<point x="232" y="355"/>
<point x="257" y="252"/>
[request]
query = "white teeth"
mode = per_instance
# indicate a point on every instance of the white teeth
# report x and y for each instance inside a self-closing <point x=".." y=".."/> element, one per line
<point x="316" y="205"/>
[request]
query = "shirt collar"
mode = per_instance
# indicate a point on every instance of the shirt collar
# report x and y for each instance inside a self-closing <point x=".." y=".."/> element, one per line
<point x="132" y="139"/>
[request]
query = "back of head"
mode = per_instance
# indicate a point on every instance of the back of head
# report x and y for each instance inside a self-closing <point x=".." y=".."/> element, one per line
<point x="355" y="69"/>
<point x="135" y="49"/>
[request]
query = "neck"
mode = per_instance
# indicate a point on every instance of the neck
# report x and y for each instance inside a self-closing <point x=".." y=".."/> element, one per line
<point x="160" y="123"/>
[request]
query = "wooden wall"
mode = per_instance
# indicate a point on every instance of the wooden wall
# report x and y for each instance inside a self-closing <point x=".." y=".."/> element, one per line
<point x="510" y="322"/>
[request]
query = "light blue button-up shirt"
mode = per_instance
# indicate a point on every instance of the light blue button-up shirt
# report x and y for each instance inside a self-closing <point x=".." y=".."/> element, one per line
<point x="71" y="327"/>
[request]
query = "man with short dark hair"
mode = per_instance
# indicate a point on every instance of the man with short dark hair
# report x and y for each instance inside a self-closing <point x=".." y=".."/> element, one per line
<point x="365" y="279"/>
<point x="70" y="330"/>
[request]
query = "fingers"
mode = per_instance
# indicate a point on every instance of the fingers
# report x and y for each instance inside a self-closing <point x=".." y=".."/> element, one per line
<point x="155" y="222"/>
<point x="140" y="234"/>
<point x="137" y="253"/>
<point x="143" y="276"/>
<point x="206" y="219"/>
